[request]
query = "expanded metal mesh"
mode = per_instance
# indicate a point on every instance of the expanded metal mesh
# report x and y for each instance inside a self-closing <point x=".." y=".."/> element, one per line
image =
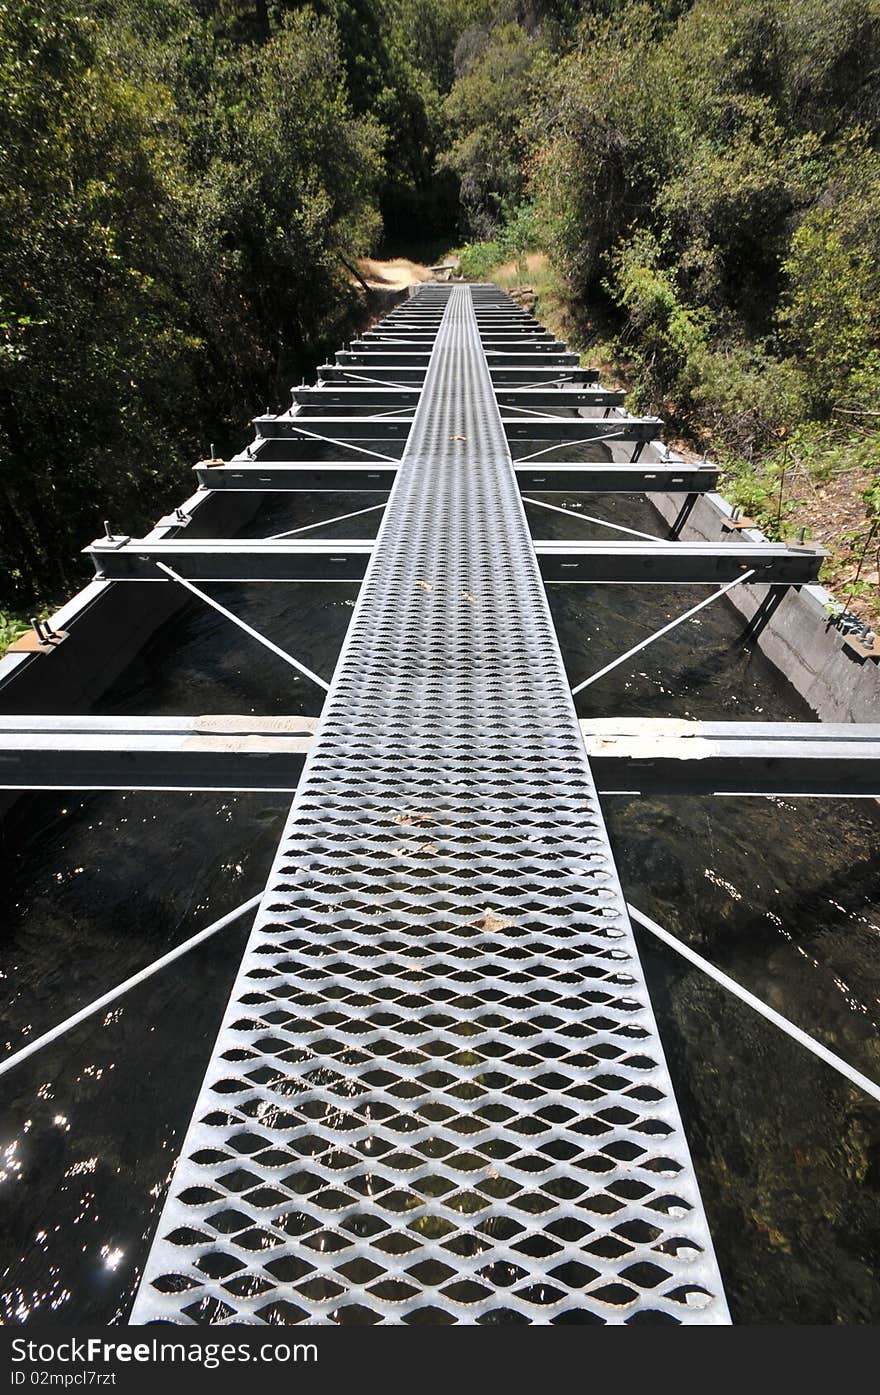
<point x="438" y="1093"/>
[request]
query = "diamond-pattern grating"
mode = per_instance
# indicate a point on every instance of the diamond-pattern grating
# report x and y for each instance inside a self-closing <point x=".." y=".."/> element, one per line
<point x="438" y="1093"/>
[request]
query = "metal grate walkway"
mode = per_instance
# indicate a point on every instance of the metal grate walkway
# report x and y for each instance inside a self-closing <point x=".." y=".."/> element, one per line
<point x="438" y="1093"/>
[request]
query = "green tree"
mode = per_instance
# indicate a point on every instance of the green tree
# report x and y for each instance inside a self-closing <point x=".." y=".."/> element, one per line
<point x="174" y="204"/>
<point x="484" y="112"/>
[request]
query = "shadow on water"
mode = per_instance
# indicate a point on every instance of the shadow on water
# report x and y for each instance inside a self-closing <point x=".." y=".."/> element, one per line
<point x="782" y="894"/>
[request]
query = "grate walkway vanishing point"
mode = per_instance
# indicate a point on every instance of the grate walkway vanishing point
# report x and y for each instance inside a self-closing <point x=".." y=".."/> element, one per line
<point x="438" y="1093"/>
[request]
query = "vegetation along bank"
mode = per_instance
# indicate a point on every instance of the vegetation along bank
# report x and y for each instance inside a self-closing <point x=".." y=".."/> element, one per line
<point x="691" y="190"/>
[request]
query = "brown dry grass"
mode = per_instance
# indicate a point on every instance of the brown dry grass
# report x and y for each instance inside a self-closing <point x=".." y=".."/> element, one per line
<point x="510" y="273"/>
<point x="834" y="512"/>
<point x="394" y="275"/>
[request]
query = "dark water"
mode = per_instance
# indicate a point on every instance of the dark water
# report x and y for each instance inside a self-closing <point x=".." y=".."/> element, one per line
<point x="784" y="895"/>
<point x="95" y="887"/>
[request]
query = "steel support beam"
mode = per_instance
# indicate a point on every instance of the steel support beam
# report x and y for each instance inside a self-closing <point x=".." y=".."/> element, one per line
<point x="628" y="756"/>
<point x="559" y="399"/>
<point x="520" y="376"/>
<point x="674" y="563"/>
<point x="539" y="341"/>
<point x="301" y="476"/>
<point x="554" y="478"/>
<point x="345" y="559"/>
<point x="560" y="477"/>
<point x="365" y="397"/>
<point x="171" y="753"/>
<point x="391" y="358"/>
<point x="660" y="756"/>
<point x="369" y="426"/>
<point x="224" y="559"/>
<point x="535" y="430"/>
<point x="573" y="430"/>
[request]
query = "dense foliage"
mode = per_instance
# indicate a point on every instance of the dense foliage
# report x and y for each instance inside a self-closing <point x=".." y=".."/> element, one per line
<point x="729" y="153"/>
<point x="706" y="177"/>
<point x="182" y="183"/>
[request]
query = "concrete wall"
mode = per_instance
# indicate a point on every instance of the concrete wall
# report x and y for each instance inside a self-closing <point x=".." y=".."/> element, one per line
<point x="109" y="622"/>
<point x="800" y="637"/>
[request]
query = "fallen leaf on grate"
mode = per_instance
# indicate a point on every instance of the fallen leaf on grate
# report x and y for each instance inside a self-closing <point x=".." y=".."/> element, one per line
<point x="458" y="438"/>
<point x="468" y="597"/>
<point x="412" y="820"/>
<point x="490" y="921"/>
<point x="423" y="848"/>
<point x="425" y="585"/>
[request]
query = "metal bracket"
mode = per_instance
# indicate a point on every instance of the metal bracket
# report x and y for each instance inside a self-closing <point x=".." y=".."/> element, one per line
<point x="31" y="643"/>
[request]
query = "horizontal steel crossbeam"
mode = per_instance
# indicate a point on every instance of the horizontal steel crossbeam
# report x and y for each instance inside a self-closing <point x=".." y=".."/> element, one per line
<point x="629" y="755"/>
<point x="661" y="756"/>
<point x="172" y="753"/>
<point x="520" y="376"/>
<point x="540" y="340"/>
<point x="413" y="359"/>
<point x="367" y="426"/>
<point x="225" y="559"/>
<point x="567" y="430"/>
<point x="554" y="478"/>
<point x="562" y="477"/>
<point x="560" y="398"/>
<point x="345" y="559"/>
<point x="674" y="563"/>
<point x="299" y="476"/>
<point x="394" y="428"/>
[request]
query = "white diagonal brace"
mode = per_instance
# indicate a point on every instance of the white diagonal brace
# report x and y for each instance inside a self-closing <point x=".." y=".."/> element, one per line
<point x="796" y="1033"/>
<point x="325" y="522"/>
<point x="589" y="441"/>
<point x="387" y="415"/>
<point x="344" y="445"/>
<point x="658" y="634"/>
<point x="589" y="518"/>
<point x="243" y="625"/>
<point x="140" y="977"/>
<point x="363" y="378"/>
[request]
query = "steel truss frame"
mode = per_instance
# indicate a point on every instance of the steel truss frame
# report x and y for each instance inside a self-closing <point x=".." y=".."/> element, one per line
<point x="524" y="371"/>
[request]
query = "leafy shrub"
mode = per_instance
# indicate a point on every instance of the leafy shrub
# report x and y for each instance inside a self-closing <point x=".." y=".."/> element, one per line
<point x="745" y="398"/>
<point x="484" y="112"/>
<point x="517" y="236"/>
<point x="11" y="628"/>
<point x="520" y="233"/>
<point x="478" y="259"/>
<point x="666" y="333"/>
<point x="830" y="315"/>
<point x="741" y="394"/>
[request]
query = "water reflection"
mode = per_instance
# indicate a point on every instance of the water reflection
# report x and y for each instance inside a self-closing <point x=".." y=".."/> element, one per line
<point x="92" y="1124"/>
